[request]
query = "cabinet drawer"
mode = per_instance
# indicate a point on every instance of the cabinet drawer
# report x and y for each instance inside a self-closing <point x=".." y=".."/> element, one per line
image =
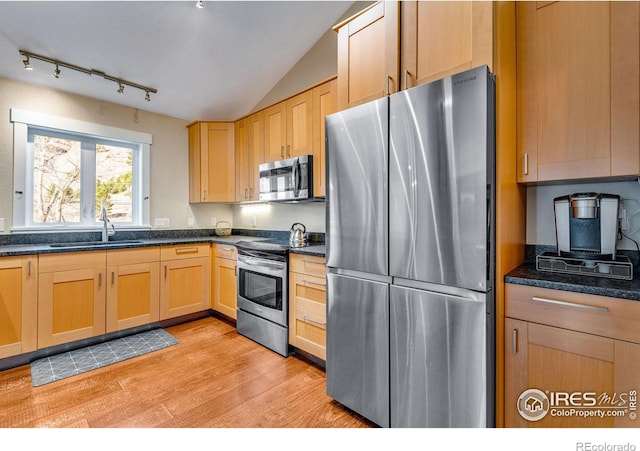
<point x="133" y="256"/>
<point x="307" y="264"/>
<point x="599" y="315"/>
<point x="71" y="261"/>
<point x="184" y="251"/>
<point x="226" y="251"/>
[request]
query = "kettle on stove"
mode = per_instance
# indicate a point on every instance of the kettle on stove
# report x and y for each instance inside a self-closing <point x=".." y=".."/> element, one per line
<point x="297" y="236"/>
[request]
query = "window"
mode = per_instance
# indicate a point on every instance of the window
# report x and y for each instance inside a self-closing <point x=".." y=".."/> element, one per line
<point x="66" y="171"/>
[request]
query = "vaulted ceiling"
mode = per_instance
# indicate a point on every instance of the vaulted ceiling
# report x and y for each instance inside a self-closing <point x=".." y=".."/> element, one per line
<point x="217" y="62"/>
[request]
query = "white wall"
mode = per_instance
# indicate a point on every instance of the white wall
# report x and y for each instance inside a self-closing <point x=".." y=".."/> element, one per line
<point x="169" y="151"/>
<point x="540" y="216"/>
<point x="280" y="216"/>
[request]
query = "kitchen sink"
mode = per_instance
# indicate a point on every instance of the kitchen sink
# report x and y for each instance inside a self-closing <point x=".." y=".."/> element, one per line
<point x="94" y="243"/>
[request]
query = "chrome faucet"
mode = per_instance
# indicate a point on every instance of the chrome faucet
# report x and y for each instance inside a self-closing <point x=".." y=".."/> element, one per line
<point x="105" y="226"/>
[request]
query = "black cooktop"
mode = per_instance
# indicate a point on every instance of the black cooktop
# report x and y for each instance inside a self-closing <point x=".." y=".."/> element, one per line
<point x="270" y="245"/>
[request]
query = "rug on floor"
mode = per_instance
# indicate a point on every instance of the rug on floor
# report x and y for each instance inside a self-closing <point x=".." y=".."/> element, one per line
<point x="60" y="366"/>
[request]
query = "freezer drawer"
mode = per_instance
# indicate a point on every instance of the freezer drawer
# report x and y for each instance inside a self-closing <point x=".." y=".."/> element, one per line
<point x="358" y="346"/>
<point x="438" y="359"/>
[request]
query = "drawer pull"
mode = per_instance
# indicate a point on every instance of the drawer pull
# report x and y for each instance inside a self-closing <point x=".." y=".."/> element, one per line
<point x="514" y="338"/>
<point x="313" y="262"/>
<point x="187" y="250"/>
<point x="308" y="282"/>
<point x="306" y="319"/>
<point x="571" y="304"/>
<point x="227" y="249"/>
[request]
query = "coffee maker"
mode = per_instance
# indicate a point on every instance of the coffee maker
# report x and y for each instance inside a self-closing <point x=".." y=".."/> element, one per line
<point x="587" y="225"/>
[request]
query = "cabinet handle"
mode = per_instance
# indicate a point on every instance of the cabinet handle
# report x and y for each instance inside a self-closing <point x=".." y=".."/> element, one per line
<point x="165" y="272"/>
<point x="250" y="193"/>
<point x="245" y="194"/>
<point x="308" y="282"/>
<point x="288" y="150"/>
<point x="282" y="151"/>
<point x="204" y="194"/>
<point x="312" y="262"/>
<point x="406" y="79"/>
<point x="571" y="304"/>
<point x="313" y="321"/>
<point x="186" y="250"/>
<point x="29" y="267"/>
<point x="113" y="277"/>
<point x="526" y="164"/>
<point x="99" y="279"/>
<point x="388" y="79"/>
<point x="514" y="339"/>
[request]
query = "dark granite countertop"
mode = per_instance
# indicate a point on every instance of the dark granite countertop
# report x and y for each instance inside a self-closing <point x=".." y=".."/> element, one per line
<point x="527" y="274"/>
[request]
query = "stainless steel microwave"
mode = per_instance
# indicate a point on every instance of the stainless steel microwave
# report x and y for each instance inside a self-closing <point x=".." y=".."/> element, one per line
<point x="287" y="180"/>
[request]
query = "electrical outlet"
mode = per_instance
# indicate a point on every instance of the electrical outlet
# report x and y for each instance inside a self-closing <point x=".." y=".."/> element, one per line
<point x="214" y="221"/>
<point x="1" y="224"/>
<point x="191" y="222"/>
<point x="162" y="223"/>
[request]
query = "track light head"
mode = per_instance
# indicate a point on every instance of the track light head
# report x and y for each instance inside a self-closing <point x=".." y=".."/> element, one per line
<point x="27" y="64"/>
<point x="120" y="88"/>
<point x="147" y="97"/>
<point x="56" y="73"/>
<point x="200" y="4"/>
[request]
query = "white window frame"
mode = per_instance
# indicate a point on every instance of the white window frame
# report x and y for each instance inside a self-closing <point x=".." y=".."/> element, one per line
<point x="22" y="169"/>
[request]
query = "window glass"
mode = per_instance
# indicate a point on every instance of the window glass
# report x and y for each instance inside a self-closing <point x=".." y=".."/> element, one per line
<point x="114" y="182"/>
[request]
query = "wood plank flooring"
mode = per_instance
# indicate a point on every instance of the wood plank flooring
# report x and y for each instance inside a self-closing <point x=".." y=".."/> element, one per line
<point x="214" y="378"/>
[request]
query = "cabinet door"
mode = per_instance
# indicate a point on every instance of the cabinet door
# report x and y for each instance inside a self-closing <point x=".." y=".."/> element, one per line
<point x="308" y="314"/>
<point x="71" y="297"/>
<point x="133" y="288"/>
<point x="578" y="88"/>
<point x="184" y="286"/>
<point x="225" y="298"/>
<point x="627" y="379"/>
<point x="242" y="161"/>
<point x="255" y="142"/>
<point x="211" y="162"/>
<point x="556" y="360"/>
<point x="439" y="39"/>
<point x="275" y="132"/>
<point x="325" y="101"/>
<point x="18" y="305"/>
<point x="299" y="125"/>
<point x="368" y="55"/>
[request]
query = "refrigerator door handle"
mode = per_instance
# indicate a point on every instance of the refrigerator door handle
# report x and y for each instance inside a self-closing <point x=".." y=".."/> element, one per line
<point x="441" y="290"/>
<point x="359" y="275"/>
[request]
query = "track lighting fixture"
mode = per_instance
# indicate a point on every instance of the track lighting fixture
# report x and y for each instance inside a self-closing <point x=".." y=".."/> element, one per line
<point x="58" y="64"/>
<point x="27" y="64"/>
<point x="200" y="4"/>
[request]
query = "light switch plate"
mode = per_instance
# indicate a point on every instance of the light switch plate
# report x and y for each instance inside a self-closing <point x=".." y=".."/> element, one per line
<point x="191" y="222"/>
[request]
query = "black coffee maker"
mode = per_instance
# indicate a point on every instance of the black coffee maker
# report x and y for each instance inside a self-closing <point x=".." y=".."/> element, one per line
<point x="587" y="225"/>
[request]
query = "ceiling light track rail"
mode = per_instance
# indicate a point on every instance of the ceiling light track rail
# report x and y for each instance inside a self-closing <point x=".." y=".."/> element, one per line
<point x="58" y="64"/>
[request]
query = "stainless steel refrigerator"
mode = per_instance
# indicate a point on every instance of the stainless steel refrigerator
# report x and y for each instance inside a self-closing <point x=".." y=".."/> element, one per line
<point x="410" y="255"/>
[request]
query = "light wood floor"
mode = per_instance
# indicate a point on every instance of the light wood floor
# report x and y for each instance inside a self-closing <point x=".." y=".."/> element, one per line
<point x="214" y="378"/>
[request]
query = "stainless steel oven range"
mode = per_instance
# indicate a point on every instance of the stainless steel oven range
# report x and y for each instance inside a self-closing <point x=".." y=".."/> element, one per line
<point x="263" y="301"/>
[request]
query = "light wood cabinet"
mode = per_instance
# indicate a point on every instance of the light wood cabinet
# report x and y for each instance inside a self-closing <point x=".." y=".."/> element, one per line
<point x="288" y="128"/>
<point x="561" y="342"/>
<point x="185" y="279"/>
<point x="438" y="39"/>
<point x="225" y="280"/>
<point x="18" y="305"/>
<point x="325" y="101"/>
<point x="133" y="288"/>
<point x="71" y="297"/>
<point x="578" y="72"/>
<point x="212" y="162"/>
<point x="307" y="304"/>
<point x="368" y="55"/>
<point x="249" y="155"/>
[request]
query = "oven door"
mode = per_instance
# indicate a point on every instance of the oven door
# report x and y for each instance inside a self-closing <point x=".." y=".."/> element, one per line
<point x="262" y="288"/>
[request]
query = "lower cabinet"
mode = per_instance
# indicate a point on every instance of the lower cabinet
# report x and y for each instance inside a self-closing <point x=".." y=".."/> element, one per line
<point x="307" y="304"/>
<point x="185" y="280"/>
<point x="225" y="287"/>
<point x="571" y="360"/>
<point x="71" y="297"/>
<point x="133" y="288"/>
<point x="18" y="305"/>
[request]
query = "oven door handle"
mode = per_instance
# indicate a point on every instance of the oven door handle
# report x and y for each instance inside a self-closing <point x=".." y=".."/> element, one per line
<point x="255" y="264"/>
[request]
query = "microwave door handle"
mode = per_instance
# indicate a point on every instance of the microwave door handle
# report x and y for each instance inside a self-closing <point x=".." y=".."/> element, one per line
<point x="296" y="176"/>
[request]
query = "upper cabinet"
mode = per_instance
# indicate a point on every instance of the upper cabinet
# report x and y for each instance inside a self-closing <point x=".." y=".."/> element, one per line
<point x="439" y="39"/>
<point x="288" y="128"/>
<point x="368" y="58"/>
<point x="578" y="77"/>
<point x="325" y="101"/>
<point x="212" y="162"/>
